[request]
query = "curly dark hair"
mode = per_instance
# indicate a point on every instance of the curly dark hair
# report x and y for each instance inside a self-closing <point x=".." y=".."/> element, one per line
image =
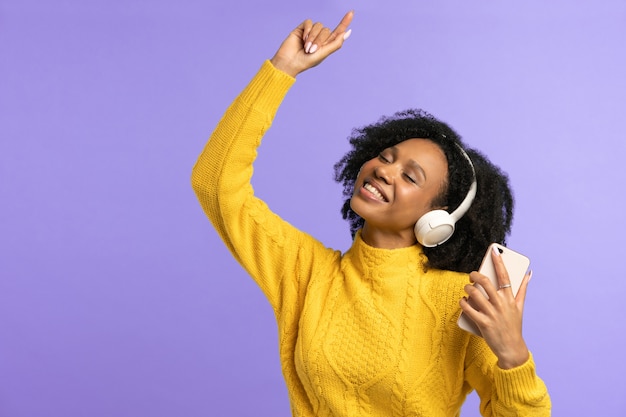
<point x="489" y="218"/>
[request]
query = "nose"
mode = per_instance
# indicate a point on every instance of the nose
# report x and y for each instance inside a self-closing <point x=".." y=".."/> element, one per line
<point x="384" y="172"/>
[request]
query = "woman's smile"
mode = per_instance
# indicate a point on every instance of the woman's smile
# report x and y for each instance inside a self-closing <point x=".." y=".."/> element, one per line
<point x="373" y="191"/>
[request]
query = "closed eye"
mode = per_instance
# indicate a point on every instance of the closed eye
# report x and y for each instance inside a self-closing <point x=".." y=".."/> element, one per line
<point x="383" y="159"/>
<point x="410" y="178"/>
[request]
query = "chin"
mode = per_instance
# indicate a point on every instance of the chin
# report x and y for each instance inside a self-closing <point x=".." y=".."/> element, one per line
<point x="354" y="205"/>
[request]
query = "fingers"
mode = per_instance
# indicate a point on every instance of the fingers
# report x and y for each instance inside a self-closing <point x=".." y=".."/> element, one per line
<point x="471" y="310"/>
<point x="483" y="284"/>
<point x="481" y="294"/>
<point x="504" y="282"/>
<point x="520" y="297"/>
<point x="307" y="25"/>
<point x="317" y="35"/>
<point x="308" y="45"/>
<point x="484" y="296"/>
<point x="342" y="27"/>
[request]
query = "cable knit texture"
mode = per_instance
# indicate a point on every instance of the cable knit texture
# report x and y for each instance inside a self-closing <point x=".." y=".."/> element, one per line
<point x="366" y="333"/>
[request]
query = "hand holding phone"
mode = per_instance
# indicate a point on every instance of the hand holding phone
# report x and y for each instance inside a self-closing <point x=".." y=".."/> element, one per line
<point x="516" y="265"/>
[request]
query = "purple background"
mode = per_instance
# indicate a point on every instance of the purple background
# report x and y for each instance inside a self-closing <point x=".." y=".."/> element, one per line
<point x="117" y="298"/>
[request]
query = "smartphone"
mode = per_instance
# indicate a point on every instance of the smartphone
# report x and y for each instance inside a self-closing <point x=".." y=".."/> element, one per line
<point x="516" y="265"/>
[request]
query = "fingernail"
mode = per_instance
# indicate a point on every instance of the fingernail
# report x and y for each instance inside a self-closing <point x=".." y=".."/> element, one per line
<point x="307" y="47"/>
<point x="347" y="34"/>
<point x="313" y="49"/>
<point x="496" y="251"/>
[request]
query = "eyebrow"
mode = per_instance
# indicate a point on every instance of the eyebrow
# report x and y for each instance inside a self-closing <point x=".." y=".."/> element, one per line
<point x="413" y="163"/>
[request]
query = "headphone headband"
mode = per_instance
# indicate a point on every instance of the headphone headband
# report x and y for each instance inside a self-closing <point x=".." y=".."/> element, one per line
<point x="471" y="193"/>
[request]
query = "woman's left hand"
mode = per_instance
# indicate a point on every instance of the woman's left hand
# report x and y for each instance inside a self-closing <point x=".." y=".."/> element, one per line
<point x="499" y="314"/>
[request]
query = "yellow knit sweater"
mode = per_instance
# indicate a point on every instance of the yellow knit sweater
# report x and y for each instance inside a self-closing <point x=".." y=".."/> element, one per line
<point x="366" y="333"/>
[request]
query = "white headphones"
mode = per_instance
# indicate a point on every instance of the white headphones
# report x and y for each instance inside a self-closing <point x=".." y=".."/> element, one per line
<point x="437" y="226"/>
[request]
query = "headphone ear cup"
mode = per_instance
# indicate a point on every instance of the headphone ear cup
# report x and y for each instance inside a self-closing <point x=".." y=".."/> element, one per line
<point x="434" y="228"/>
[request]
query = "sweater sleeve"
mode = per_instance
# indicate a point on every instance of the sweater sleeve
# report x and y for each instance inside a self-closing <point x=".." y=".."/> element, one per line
<point x="266" y="246"/>
<point x="516" y="392"/>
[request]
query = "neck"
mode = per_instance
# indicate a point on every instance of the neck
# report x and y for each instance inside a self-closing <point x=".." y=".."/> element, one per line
<point x="384" y="239"/>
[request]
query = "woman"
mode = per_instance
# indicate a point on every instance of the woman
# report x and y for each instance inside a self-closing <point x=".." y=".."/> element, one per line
<point x="373" y="332"/>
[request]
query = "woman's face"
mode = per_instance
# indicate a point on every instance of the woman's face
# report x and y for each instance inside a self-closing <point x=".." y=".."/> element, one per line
<point x="393" y="190"/>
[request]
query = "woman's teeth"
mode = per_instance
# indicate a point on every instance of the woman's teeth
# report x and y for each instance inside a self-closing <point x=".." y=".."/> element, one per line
<point x="374" y="191"/>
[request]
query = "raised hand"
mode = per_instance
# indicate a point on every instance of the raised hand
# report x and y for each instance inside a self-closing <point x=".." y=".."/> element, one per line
<point x="498" y="314"/>
<point x="309" y="44"/>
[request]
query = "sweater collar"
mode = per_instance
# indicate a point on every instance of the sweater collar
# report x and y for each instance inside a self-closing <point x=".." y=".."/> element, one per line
<point x="382" y="263"/>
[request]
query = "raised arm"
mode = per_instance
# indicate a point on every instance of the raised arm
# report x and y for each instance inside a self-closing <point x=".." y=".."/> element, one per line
<point x="265" y="245"/>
